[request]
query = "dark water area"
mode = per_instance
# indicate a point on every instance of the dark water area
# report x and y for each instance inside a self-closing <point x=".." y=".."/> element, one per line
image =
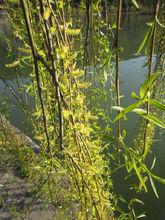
<point x="132" y="74"/>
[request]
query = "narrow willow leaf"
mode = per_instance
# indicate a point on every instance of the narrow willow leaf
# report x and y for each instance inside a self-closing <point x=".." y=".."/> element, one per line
<point x="47" y="13"/>
<point x="141" y="216"/>
<point x="14" y="1"/>
<point x="153" y="186"/>
<point x="145" y="40"/>
<point x="53" y="30"/>
<point x="13" y="64"/>
<point x="139" y="111"/>
<point x="72" y="32"/>
<point x="39" y="137"/>
<point x="105" y="75"/>
<point x="118" y="108"/>
<point x="29" y="88"/>
<point x="24" y="50"/>
<point x="135" y="3"/>
<point x="157" y="104"/>
<point x="153" y="163"/>
<point x="146" y="149"/>
<point x="107" y="61"/>
<point x="147" y="83"/>
<point x="133" y="94"/>
<point x="157" y="178"/>
<point x="150" y="118"/>
<point x="128" y="109"/>
<point x="139" y="176"/>
<point x="139" y="201"/>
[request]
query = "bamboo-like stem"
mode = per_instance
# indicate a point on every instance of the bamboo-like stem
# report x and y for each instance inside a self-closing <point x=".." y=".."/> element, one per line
<point x="34" y="53"/>
<point x="117" y="66"/>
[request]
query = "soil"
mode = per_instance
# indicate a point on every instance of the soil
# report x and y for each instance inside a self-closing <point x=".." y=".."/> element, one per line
<point x="17" y="201"/>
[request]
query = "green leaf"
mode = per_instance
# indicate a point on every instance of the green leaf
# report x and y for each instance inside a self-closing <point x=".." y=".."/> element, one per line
<point x="147" y="83"/>
<point x="133" y="94"/>
<point x="47" y="13"/>
<point x="72" y="32"/>
<point x="14" y="1"/>
<point x="135" y="3"/>
<point x="141" y="216"/>
<point x="118" y="108"/>
<point x="139" y="111"/>
<point x="13" y="64"/>
<point x="139" y="176"/>
<point x="28" y="51"/>
<point x="53" y="30"/>
<point x="146" y="40"/>
<point x="153" y="186"/>
<point x="157" y="104"/>
<point x="153" y="163"/>
<point x="154" y="120"/>
<point x="127" y="109"/>
<point x="157" y="178"/>
<point x="150" y="117"/>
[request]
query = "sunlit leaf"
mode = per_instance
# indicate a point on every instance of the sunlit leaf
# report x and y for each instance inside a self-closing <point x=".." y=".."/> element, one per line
<point x="118" y="108"/>
<point x="146" y="40"/>
<point x="153" y="163"/>
<point x="28" y="51"/>
<point x="14" y="64"/>
<point x="153" y="186"/>
<point x="127" y="109"/>
<point x="72" y="32"/>
<point x="133" y="94"/>
<point x="157" y="104"/>
<point x="147" y="83"/>
<point x="141" y="216"/>
<point x="47" y="13"/>
<point x="159" y="179"/>
<point x="39" y="137"/>
<point x="139" y="176"/>
<point x="150" y="118"/>
<point x="53" y="30"/>
<point x="135" y="3"/>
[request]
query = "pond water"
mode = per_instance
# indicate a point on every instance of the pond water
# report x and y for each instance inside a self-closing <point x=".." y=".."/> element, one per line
<point x="132" y="75"/>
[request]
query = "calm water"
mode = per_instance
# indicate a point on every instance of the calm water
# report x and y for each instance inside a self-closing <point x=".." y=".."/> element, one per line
<point x="132" y="76"/>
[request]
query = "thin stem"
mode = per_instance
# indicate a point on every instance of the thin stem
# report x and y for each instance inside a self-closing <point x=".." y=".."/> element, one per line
<point x="54" y="76"/>
<point x="117" y="65"/>
<point x="152" y="48"/>
<point x="34" y="53"/>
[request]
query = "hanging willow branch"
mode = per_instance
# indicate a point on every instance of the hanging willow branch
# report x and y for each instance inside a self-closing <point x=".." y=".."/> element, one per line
<point x="116" y="45"/>
<point x="34" y="53"/>
<point x="152" y="48"/>
<point x="53" y="73"/>
<point x="87" y="2"/>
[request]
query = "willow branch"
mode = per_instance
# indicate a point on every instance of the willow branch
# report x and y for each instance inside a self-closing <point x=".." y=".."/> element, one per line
<point x="152" y="48"/>
<point x="32" y="44"/>
<point x="117" y="64"/>
<point x="54" y="75"/>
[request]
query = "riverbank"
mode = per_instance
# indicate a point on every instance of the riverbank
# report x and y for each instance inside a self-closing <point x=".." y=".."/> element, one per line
<point x="22" y="194"/>
<point x="18" y="195"/>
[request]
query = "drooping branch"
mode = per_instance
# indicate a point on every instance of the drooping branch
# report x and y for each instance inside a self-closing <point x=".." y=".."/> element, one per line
<point x="117" y="77"/>
<point x="34" y="53"/>
<point x="150" y="65"/>
<point x="54" y="74"/>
